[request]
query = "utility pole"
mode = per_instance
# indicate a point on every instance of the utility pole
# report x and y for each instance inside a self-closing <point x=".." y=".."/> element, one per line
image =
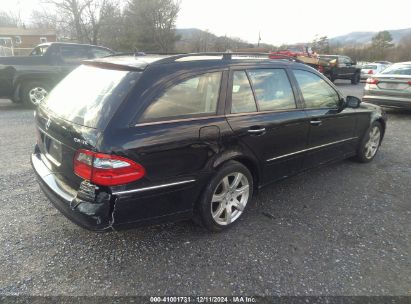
<point x="259" y="39"/>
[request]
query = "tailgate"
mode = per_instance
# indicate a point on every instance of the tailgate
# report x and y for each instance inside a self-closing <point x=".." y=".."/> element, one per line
<point x="58" y="140"/>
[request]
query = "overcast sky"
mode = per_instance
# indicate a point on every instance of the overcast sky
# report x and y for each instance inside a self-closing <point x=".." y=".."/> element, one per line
<point x="279" y="21"/>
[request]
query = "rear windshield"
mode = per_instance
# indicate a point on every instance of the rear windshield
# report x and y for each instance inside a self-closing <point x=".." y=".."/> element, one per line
<point x="89" y="94"/>
<point x="398" y="70"/>
<point x="369" y="67"/>
<point x="39" y="51"/>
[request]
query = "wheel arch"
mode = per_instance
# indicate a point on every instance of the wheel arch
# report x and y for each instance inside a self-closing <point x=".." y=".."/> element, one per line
<point x="383" y="124"/>
<point x="249" y="162"/>
<point x="21" y="80"/>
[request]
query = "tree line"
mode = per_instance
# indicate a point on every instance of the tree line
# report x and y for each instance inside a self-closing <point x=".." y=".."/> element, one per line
<point x="136" y="25"/>
<point x="150" y="26"/>
<point x="380" y="48"/>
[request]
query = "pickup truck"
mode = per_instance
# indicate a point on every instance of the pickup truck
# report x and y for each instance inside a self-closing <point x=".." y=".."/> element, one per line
<point x="340" y="67"/>
<point x="332" y="66"/>
<point x="28" y="79"/>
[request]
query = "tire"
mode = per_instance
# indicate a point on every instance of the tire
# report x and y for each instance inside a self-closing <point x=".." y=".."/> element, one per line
<point x="212" y="211"/>
<point x="14" y="100"/>
<point x="370" y="143"/>
<point x="34" y="92"/>
<point x="355" y="79"/>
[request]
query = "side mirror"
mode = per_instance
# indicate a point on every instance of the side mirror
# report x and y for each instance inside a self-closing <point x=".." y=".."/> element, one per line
<point x="352" y="102"/>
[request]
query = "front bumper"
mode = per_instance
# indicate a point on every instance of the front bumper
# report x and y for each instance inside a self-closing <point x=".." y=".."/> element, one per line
<point x="93" y="216"/>
<point x="388" y="101"/>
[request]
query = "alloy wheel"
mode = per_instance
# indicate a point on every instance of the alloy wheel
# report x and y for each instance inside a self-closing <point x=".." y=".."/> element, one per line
<point x="373" y="142"/>
<point x="37" y="95"/>
<point x="230" y="198"/>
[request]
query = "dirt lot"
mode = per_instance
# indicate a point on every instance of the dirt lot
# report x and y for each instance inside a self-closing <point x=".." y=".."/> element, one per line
<point x="344" y="229"/>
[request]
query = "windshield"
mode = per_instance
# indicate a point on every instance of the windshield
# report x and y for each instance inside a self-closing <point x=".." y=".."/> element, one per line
<point x="329" y="57"/>
<point x="39" y="51"/>
<point x="398" y="70"/>
<point x="83" y="97"/>
<point x="370" y="67"/>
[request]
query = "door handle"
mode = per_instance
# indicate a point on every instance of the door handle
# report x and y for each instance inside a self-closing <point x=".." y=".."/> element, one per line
<point x="257" y="131"/>
<point x="316" y="122"/>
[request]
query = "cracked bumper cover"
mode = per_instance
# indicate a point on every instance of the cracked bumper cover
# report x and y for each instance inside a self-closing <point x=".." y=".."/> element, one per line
<point x="93" y="216"/>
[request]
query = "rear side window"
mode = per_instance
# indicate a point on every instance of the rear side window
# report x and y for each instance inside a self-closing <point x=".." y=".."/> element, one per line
<point x="272" y="89"/>
<point x="316" y="92"/>
<point x="242" y="98"/>
<point x="195" y="96"/>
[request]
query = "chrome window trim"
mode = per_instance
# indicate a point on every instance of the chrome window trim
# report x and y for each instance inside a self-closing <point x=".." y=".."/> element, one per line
<point x="263" y="112"/>
<point x="160" y="122"/>
<point x="312" y="148"/>
<point x="213" y="116"/>
<point x="153" y="187"/>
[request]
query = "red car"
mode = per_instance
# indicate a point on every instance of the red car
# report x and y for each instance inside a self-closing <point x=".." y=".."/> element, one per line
<point x="293" y="51"/>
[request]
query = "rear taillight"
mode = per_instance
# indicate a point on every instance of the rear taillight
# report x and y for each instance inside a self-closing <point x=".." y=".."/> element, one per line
<point x="409" y="83"/>
<point x="372" y="81"/>
<point x="106" y="170"/>
<point x="370" y="72"/>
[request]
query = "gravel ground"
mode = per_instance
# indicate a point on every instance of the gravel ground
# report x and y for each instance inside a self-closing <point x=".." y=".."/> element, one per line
<point x="343" y="229"/>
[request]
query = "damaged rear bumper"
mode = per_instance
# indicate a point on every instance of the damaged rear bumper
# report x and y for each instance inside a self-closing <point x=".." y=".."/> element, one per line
<point x="93" y="216"/>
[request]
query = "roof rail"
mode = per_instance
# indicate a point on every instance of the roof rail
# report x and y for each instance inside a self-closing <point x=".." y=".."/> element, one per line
<point x="225" y="56"/>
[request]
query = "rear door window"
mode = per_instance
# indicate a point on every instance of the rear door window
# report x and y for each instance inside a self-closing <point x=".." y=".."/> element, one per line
<point x="242" y="98"/>
<point x="317" y="93"/>
<point x="272" y="89"/>
<point x="196" y="96"/>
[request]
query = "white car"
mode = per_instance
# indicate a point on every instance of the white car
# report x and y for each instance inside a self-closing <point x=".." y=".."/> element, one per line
<point x="371" y="69"/>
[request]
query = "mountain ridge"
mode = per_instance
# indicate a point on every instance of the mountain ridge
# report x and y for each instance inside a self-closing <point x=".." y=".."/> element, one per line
<point x="365" y="37"/>
<point x="352" y="38"/>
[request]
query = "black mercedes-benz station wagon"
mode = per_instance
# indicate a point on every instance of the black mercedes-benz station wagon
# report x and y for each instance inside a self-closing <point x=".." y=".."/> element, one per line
<point x="125" y="141"/>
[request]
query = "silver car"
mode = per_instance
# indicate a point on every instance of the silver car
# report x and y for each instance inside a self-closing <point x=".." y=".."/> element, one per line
<point x="371" y="69"/>
<point x="391" y="88"/>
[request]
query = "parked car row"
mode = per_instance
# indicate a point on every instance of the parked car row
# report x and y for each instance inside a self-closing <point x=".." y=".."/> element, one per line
<point x="391" y="87"/>
<point x="371" y="69"/>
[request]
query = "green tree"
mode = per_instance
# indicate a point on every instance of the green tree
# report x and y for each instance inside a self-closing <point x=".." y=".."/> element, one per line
<point x="151" y="24"/>
<point x="321" y="45"/>
<point x="381" y="42"/>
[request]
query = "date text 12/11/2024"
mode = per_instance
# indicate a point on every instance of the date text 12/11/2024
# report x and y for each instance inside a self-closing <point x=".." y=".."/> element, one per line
<point x="203" y="299"/>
